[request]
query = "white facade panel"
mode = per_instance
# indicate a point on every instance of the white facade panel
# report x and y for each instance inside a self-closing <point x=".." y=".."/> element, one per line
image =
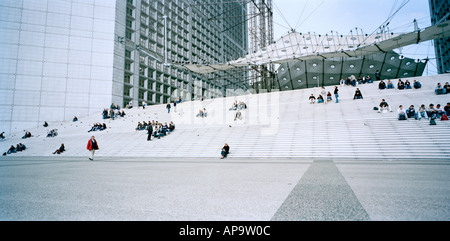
<point x="58" y="6"/>
<point x="25" y="113"/>
<point x="102" y="12"/>
<point x="9" y="51"/>
<point x="7" y="81"/>
<point x="83" y="10"/>
<point x="55" y="55"/>
<point x="6" y="97"/>
<point x="32" y="38"/>
<point x="40" y="5"/>
<point x="5" y="114"/>
<point x="31" y="53"/>
<point x="81" y="23"/>
<point x="80" y="57"/>
<point x="77" y="100"/>
<point x="11" y="3"/>
<point x="28" y="82"/>
<point x="29" y="67"/>
<point x="9" y="36"/>
<point x="79" y="71"/>
<point x="103" y="59"/>
<point x="9" y="25"/>
<point x="102" y="73"/>
<point x="54" y="84"/>
<point x="101" y="25"/>
<point x="51" y="114"/>
<point x="47" y="49"/>
<point x="10" y="14"/>
<point x="58" y="20"/>
<point x="57" y="41"/>
<point x="8" y="66"/>
<point x="53" y="69"/>
<point x="27" y="98"/>
<point x="78" y="85"/>
<point x="34" y="17"/>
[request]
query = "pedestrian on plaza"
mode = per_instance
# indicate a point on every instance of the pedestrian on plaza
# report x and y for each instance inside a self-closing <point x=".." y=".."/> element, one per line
<point x="92" y="146"/>
<point x="336" y="94"/>
<point x="168" y="107"/>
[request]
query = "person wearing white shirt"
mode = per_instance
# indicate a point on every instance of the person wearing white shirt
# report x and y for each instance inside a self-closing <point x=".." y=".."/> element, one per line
<point x="401" y="113"/>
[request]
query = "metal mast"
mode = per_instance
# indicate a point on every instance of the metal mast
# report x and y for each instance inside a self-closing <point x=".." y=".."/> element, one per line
<point x="260" y="15"/>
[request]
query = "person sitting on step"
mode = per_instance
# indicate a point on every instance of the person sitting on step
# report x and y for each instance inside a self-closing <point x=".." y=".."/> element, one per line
<point x="225" y="151"/>
<point x="60" y="150"/>
<point x="384" y="107"/>
<point x="390" y="85"/>
<point x="312" y="99"/>
<point x="432" y="112"/>
<point x="358" y="94"/>
<point x="411" y="112"/>
<point x="401" y="113"/>
<point x="439" y="90"/>
<point x="422" y="112"/>
<point x="417" y="84"/>
<point x="382" y="85"/>
<point x="407" y="84"/>
<point x="320" y="99"/>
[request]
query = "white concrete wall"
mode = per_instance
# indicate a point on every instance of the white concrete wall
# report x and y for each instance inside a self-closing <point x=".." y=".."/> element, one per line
<point x="56" y="60"/>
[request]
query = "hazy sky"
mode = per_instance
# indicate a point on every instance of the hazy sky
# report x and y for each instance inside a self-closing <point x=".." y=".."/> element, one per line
<point x="324" y="16"/>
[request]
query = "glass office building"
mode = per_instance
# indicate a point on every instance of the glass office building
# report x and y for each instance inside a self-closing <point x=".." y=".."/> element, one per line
<point x="440" y="12"/>
<point x="66" y="58"/>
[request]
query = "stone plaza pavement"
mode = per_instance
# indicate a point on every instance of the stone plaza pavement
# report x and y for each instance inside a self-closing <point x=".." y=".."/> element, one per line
<point x="233" y="189"/>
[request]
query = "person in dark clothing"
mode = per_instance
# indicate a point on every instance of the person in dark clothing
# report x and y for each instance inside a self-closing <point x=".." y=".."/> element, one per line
<point x="382" y="85"/>
<point x="336" y="94"/>
<point x="149" y="132"/>
<point x="400" y="85"/>
<point x="20" y="147"/>
<point x="168" y="107"/>
<point x="358" y="94"/>
<point x="384" y="106"/>
<point x="12" y="149"/>
<point x="407" y="84"/>
<point x="411" y="112"/>
<point x="60" y="150"/>
<point x="378" y="75"/>
<point x="225" y="151"/>
<point x="417" y="84"/>
<point x="447" y="87"/>
<point x="447" y="109"/>
<point x="27" y="135"/>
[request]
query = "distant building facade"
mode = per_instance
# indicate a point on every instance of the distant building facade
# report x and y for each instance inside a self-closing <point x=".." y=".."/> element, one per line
<point x="439" y="12"/>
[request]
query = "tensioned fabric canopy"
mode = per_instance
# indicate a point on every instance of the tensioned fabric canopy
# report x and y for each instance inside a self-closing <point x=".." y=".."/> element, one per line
<point x="298" y="46"/>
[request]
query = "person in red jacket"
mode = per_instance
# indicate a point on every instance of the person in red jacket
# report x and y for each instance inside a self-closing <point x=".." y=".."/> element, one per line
<point x="92" y="146"/>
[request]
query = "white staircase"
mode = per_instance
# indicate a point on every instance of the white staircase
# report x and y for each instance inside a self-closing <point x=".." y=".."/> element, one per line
<point x="275" y="125"/>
